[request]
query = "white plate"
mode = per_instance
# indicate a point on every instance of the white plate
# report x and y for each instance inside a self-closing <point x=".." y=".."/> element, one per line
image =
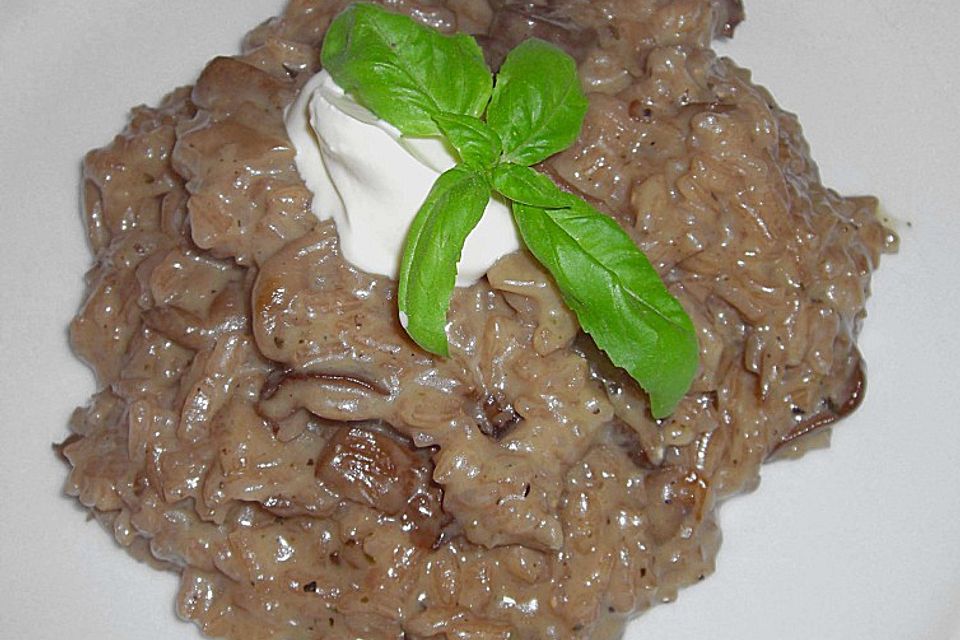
<point x="860" y="541"/>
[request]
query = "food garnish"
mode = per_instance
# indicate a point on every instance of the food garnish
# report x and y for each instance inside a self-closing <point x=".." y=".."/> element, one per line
<point x="426" y="83"/>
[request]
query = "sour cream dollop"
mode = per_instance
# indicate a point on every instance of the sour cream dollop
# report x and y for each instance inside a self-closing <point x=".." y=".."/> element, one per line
<point x="372" y="181"/>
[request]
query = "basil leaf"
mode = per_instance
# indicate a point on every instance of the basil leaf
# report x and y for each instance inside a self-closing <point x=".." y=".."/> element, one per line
<point x="477" y="144"/>
<point x="537" y="105"/>
<point x="428" y="269"/>
<point x="404" y="72"/>
<point x="617" y="296"/>
<point x="527" y="186"/>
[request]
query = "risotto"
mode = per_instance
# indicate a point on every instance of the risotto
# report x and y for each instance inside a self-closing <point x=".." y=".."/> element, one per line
<point x="266" y="429"/>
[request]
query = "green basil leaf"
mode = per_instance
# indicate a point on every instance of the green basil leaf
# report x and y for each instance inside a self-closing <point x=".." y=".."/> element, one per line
<point x="537" y="106"/>
<point x="527" y="186"/>
<point x="477" y="144"/>
<point x="404" y="72"/>
<point x="428" y="269"/>
<point x="617" y="296"/>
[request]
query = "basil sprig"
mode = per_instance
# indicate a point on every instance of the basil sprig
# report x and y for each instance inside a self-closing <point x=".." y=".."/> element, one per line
<point x="426" y="83"/>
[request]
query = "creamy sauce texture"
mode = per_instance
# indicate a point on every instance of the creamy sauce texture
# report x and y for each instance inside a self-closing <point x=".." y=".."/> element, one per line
<point x="372" y="180"/>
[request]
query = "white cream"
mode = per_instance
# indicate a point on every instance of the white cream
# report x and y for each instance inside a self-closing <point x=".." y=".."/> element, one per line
<point x="371" y="180"/>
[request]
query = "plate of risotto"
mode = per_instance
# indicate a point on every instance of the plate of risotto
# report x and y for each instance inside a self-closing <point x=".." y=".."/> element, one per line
<point x="480" y="320"/>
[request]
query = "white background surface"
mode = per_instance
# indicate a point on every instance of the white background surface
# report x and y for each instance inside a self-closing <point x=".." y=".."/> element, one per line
<point x="860" y="541"/>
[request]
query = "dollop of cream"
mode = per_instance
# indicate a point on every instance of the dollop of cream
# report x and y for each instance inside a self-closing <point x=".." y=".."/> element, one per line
<point x="372" y="180"/>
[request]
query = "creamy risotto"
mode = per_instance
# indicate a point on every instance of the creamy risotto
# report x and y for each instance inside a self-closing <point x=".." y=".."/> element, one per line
<point x="266" y="429"/>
